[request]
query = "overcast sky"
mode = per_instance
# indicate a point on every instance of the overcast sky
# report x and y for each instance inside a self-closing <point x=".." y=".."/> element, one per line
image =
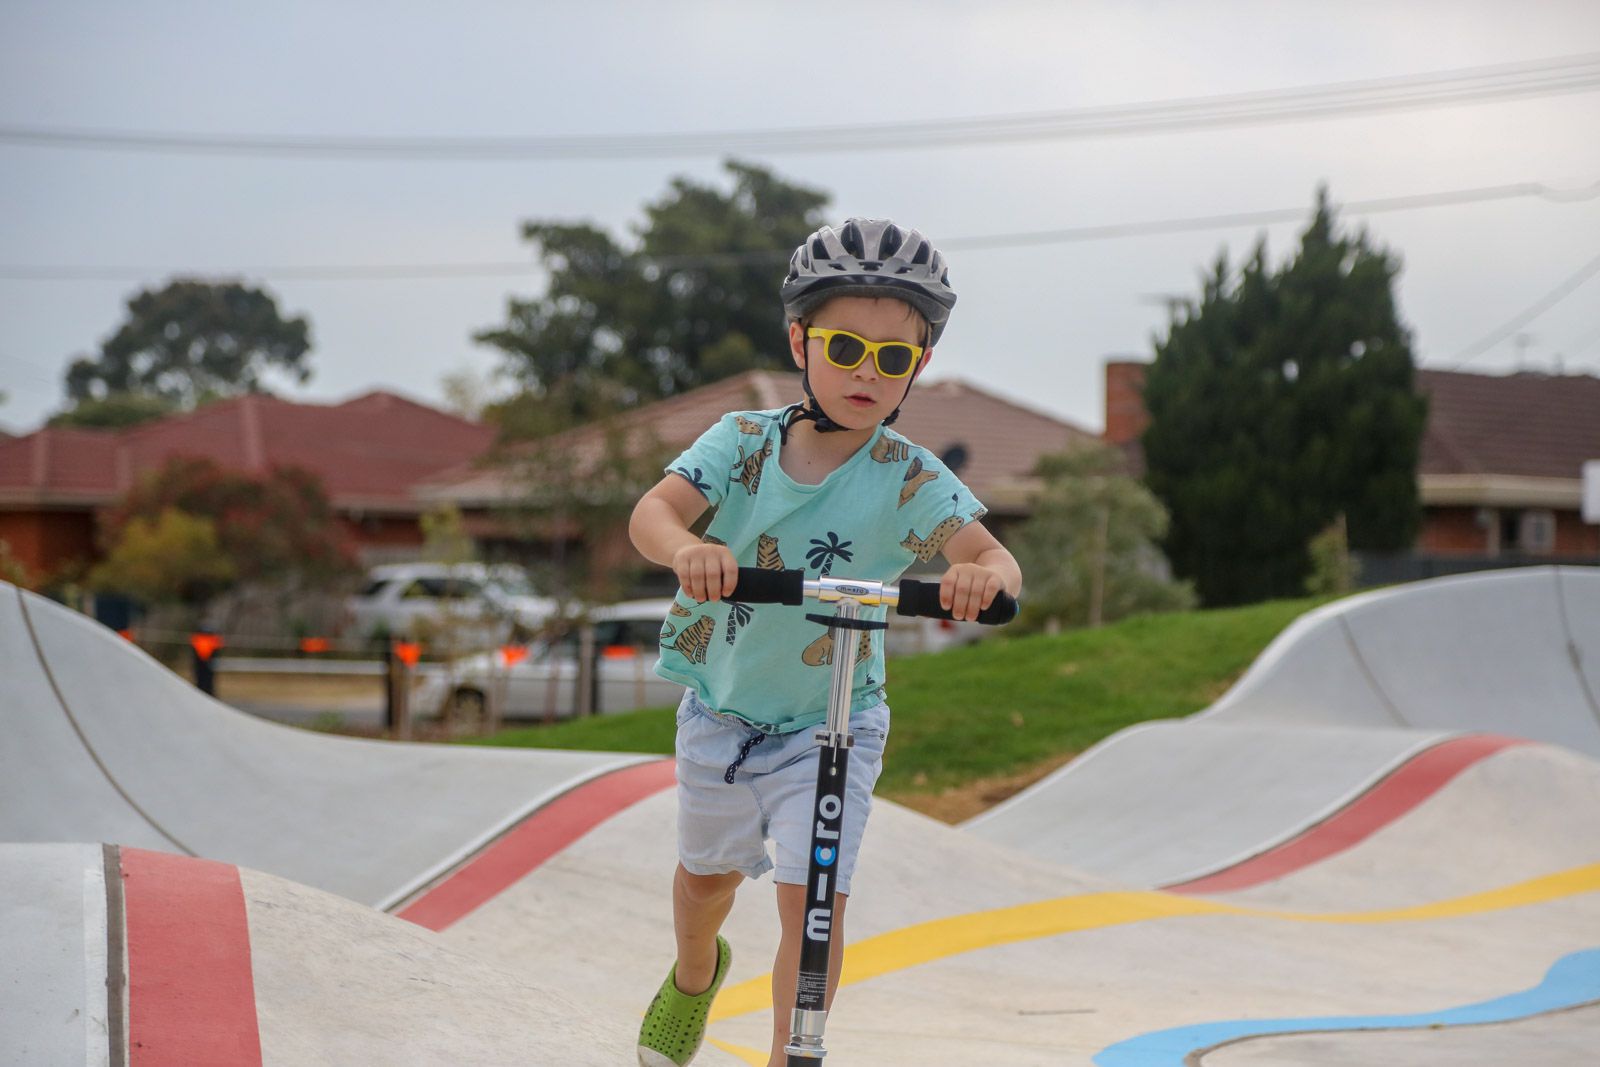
<point x="1034" y="323"/>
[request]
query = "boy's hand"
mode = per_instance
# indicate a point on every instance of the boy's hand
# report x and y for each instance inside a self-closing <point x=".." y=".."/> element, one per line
<point x="967" y="589"/>
<point x="706" y="572"/>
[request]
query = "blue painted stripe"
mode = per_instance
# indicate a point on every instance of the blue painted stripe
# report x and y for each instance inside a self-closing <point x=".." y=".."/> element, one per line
<point x="1573" y="980"/>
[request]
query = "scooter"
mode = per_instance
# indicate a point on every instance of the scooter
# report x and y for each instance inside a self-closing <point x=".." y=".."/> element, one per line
<point x="849" y="596"/>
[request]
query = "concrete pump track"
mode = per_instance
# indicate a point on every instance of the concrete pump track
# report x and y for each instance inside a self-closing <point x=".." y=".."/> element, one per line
<point x="1380" y="847"/>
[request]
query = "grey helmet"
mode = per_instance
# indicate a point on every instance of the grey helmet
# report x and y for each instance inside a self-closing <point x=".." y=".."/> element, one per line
<point x="864" y="257"/>
<point x="874" y="258"/>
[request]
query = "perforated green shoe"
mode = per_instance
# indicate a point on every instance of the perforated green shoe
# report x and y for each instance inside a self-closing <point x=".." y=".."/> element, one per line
<point x="675" y="1025"/>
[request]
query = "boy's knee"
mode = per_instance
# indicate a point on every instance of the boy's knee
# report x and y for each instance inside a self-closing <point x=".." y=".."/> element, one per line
<point x="707" y="888"/>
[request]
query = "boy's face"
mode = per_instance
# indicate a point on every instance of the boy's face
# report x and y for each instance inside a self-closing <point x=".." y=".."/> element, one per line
<point x="858" y="398"/>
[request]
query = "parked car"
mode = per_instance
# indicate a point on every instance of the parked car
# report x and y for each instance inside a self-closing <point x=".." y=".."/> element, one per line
<point x="485" y="603"/>
<point x="545" y="683"/>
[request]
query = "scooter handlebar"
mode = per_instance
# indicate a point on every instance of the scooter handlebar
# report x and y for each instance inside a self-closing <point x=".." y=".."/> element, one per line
<point x="757" y="585"/>
<point x="922" y="598"/>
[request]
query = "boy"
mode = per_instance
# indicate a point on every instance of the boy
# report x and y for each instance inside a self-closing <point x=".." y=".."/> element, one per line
<point x="825" y="485"/>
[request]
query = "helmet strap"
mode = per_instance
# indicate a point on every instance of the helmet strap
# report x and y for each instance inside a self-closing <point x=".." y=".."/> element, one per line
<point x="927" y="335"/>
<point x="811" y="410"/>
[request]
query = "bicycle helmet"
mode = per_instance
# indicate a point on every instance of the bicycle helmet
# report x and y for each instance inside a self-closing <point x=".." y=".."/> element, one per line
<point x="874" y="258"/>
<point x="870" y="258"/>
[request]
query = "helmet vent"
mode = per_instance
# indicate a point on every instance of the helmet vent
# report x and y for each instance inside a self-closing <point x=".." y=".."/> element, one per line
<point x="819" y="249"/>
<point x="850" y="237"/>
<point x="921" y="254"/>
<point x="869" y="266"/>
<point x="889" y="243"/>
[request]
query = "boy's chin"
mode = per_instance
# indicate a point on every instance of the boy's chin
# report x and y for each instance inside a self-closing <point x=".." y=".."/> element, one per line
<point x="855" y="418"/>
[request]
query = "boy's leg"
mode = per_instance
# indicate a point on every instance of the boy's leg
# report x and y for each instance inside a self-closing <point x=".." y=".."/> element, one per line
<point x="791" y="913"/>
<point x="700" y="903"/>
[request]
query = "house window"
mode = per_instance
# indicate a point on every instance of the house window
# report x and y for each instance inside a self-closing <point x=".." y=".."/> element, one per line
<point x="1538" y="534"/>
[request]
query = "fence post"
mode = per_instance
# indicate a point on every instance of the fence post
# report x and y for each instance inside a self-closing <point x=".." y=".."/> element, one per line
<point x="406" y="654"/>
<point x="587" y="674"/>
<point x="205" y="644"/>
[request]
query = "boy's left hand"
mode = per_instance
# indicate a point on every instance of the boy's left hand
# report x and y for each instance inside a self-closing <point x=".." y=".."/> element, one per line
<point x="967" y="589"/>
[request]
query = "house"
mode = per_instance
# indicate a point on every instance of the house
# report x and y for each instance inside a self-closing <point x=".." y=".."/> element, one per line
<point x="992" y="443"/>
<point x="369" y="451"/>
<point x="1500" y="473"/>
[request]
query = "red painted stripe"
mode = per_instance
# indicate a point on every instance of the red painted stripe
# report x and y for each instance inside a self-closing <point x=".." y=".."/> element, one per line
<point x="191" y="995"/>
<point x="534" y="840"/>
<point x="1391" y="797"/>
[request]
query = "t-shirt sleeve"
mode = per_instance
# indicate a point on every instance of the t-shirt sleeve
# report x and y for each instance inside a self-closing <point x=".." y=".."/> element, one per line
<point x="937" y="505"/>
<point x="708" y="463"/>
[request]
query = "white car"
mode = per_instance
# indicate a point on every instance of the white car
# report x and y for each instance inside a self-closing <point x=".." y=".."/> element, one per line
<point x="544" y="684"/>
<point x="484" y="603"/>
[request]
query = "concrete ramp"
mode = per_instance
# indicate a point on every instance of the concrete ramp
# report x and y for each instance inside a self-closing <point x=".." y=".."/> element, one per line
<point x="1337" y="875"/>
<point x="1347" y="696"/>
<point x="102" y="743"/>
<point x="1513" y="652"/>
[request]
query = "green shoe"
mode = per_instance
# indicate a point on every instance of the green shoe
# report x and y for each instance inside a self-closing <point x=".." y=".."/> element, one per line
<point x="676" y="1023"/>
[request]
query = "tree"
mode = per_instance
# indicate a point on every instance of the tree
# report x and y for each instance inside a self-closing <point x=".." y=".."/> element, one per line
<point x="280" y="528"/>
<point x="1278" y="403"/>
<point x="576" y="492"/>
<point x="115" y="411"/>
<point x="191" y="341"/>
<point x="694" y="300"/>
<point x="173" y="557"/>
<point x="1088" y="545"/>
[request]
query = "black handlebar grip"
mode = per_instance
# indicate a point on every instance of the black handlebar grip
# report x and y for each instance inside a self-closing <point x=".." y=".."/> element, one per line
<point x="922" y="598"/>
<point x="757" y="585"/>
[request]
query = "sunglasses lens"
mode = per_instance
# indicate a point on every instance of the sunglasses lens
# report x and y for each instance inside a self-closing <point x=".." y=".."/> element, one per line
<point x="845" y="351"/>
<point x="895" y="360"/>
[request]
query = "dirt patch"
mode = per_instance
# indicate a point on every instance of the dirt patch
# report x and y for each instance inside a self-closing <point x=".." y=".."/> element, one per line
<point x="961" y="802"/>
<point x="299" y="689"/>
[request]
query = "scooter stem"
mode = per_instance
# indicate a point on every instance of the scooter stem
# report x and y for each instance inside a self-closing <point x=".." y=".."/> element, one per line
<point x="811" y="986"/>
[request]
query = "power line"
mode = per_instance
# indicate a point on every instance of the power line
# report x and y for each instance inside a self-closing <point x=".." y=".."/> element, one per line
<point x="1533" y="311"/>
<point x="1470" y="85"/>
<point x="718" y="259"/>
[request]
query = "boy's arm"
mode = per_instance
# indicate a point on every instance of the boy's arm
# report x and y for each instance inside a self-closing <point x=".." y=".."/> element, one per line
<point x="659" y="529"/>
<point x="980" y="567"/>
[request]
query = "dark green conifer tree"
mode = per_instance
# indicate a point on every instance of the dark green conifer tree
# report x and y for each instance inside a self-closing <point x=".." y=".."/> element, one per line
<point x="1277" y="403"/>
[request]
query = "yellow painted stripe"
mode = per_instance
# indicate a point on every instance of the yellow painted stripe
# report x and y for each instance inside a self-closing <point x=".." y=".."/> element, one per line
<point x="925" y="942"/>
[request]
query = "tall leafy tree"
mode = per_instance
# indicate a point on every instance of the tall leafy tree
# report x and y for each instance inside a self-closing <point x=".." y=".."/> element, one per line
<point x="1088" y="544"/>
<point x="692" y="299"/>
<point x="190" y="341"/>
<point x="280" y="527"/>
<point x="1279" y="402"/>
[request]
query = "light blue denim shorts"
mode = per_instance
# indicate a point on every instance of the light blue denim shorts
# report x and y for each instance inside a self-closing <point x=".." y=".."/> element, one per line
<point x="723" y="826"/>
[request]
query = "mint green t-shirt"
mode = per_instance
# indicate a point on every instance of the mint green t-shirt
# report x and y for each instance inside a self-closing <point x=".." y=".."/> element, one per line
<point x="888" y="505"/>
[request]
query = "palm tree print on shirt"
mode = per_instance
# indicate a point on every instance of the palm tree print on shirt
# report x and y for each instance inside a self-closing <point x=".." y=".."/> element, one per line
<point x="825" y="552"/>
<point x="738" y="615"/>
<point x="697" y="479"/>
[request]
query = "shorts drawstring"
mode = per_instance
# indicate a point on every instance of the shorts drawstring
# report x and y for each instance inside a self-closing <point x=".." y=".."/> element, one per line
<point x="744" y="750"/>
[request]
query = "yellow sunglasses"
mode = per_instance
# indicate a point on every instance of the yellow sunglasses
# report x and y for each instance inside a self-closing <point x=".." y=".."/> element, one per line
<point x="845" y="350"/>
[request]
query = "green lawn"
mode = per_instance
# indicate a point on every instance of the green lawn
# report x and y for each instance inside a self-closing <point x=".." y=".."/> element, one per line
<point x="1004" y="706"/>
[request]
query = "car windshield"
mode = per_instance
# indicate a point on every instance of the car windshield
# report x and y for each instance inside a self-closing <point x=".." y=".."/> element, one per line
<point x="513" y="585"/>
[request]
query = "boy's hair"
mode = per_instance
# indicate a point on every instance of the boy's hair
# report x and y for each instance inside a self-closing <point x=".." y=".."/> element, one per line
<point x="871" y="258"/>
<point x="911" y="311"/>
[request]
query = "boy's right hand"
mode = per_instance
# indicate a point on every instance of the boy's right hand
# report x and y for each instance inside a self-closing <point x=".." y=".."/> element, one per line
<point x="706" y="572"/>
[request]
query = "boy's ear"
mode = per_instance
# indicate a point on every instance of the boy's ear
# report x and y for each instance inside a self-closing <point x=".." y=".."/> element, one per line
<point x="797" y="344"/>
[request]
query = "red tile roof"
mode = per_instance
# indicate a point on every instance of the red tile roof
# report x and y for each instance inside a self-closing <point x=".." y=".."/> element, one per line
<point x="369" y="451"/>
<point x="1525" y="424"/>
<point x="1518" y="425"/>
<point x="1002" y="439"/>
